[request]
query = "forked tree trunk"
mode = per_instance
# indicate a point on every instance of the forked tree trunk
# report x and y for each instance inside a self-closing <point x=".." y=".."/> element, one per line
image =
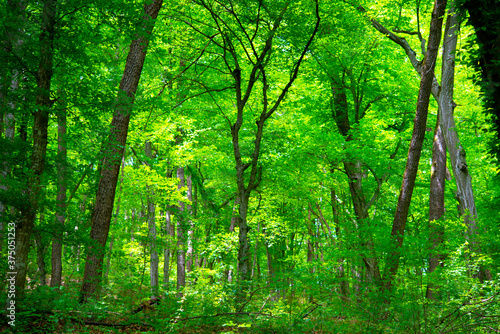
<point x="113" y="153"/>
<point x="464" y="194"/>
<point x="420" y="123"/>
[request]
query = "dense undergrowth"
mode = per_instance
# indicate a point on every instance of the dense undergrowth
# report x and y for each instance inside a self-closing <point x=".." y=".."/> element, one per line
<point x="285" y="305"/>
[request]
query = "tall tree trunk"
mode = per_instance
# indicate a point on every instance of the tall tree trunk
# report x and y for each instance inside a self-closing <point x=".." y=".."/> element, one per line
<point x="344" y="284"/>
<point x="457" y="158"/>
<point x="420" y="123"/>
<point x="169" y="248"/>
<point x="113" y="153"/>
<point x="436" y="203"/>
<point x="190" y="232"/>
<point x="56" y="259"/>
<point x="464" y="194"/>
<point x="181" y="242"/>
<point x="40" y="131"/>
<point x="153" y="251"/>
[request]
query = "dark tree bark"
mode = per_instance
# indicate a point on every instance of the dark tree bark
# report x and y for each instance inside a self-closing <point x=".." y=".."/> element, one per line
<point x="420" y="123"/>
<point x="40" y="131"/>
<point x="113" y="153"/>
<point x="56" y="259"/>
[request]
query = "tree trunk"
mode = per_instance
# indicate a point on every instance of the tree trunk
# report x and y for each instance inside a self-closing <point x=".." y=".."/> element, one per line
<point x="354" y="173"/>
<point x="56" y="259"/>
<point x="169" y="248"/>
<point x="464" y="194"/>
<point x="190" y="232"/>
<point x="181" y="242"/>
<point x="436" y="204"/>
<point x="420" y="123"/>
<point x="40" y="132"/>
<point x="117" y="212"/>
<point x="40" y="251"/>
<point x="344" y="284"/>
<point x="13" y="41"/>
<point x="153" y="252"/>
<point x="113" y="153"/>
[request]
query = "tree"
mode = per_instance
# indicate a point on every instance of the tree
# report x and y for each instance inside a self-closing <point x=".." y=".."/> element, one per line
<point x="113" y="152"/>
<point x="40" y="129"/>
<point x="256" y="44"/>
<point x="420" y="123"/>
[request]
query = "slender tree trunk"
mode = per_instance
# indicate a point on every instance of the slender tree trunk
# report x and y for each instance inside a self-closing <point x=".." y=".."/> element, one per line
<point x="190" y="232"/>
<point x="101" y="217"/>
<point x="40" y="131"/>
<point x="169" y="248"/>
<point x="436" y="204"/>
<point x="181" y="242"/>
<point x="344" y="285"/>
<point x="56" y="259"/>
<point x="153" y="252"/>
<point x="420" y="122"/>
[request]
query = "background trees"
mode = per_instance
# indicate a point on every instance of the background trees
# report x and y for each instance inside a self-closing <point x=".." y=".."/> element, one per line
<point x="261" y="156"/>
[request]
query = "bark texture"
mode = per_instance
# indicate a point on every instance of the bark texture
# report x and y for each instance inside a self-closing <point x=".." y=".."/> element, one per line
<point x="463" y="178"/>
<point x="113" y="152"/>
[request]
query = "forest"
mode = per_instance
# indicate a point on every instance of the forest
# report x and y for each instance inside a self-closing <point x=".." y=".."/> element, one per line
<point x="250" y="166"/>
